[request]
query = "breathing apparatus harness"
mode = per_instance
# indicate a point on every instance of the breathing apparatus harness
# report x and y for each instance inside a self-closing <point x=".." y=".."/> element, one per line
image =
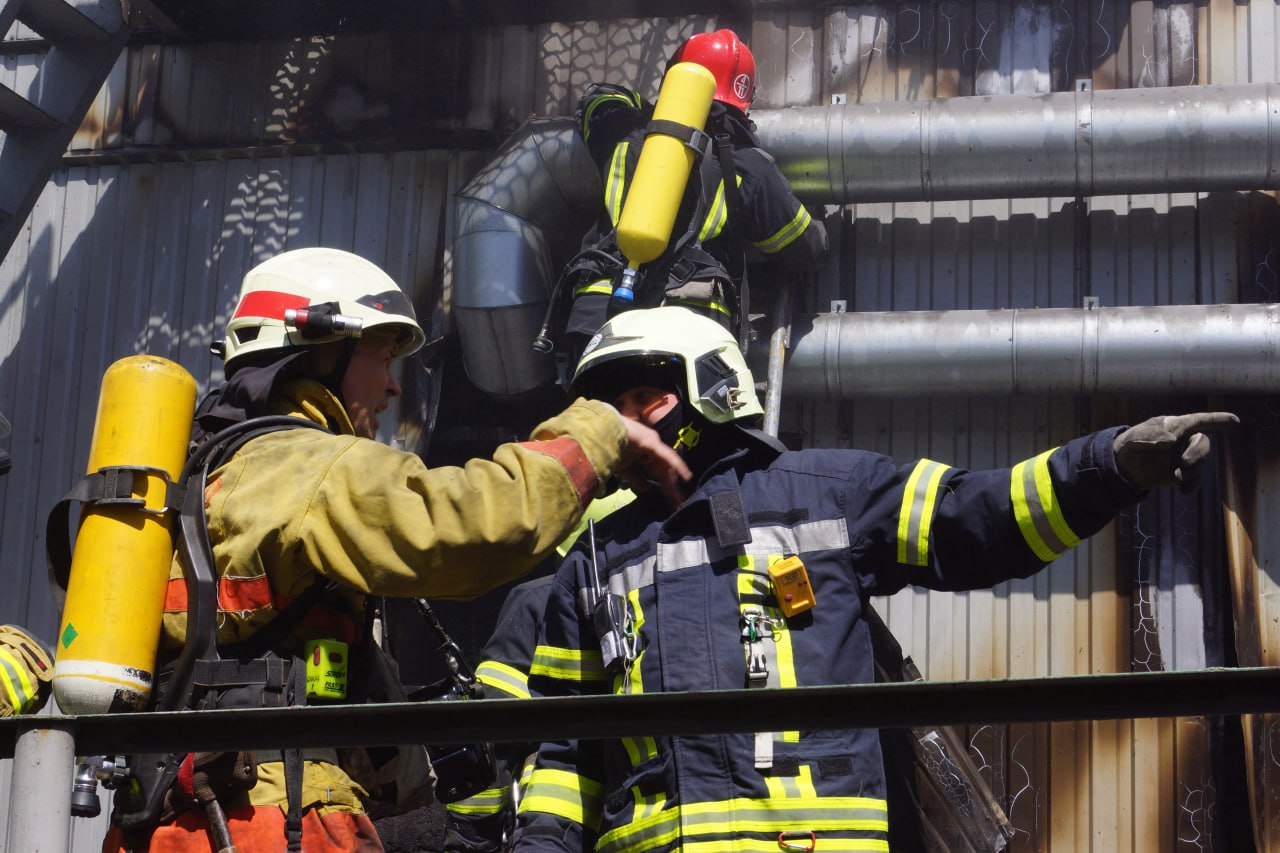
<point x="684" y="261"/>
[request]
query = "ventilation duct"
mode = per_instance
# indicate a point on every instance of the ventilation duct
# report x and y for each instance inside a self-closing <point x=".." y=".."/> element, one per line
<point x="1160" y="140"/>
<point x="1223" y="349"/>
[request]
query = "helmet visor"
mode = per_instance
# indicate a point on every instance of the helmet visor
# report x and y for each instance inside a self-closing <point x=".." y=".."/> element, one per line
<point x="610" y="377"/>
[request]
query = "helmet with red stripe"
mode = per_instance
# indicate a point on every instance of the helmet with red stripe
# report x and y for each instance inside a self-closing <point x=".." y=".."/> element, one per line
<point x="728" y="60"/>
<point x="307" y="297"/>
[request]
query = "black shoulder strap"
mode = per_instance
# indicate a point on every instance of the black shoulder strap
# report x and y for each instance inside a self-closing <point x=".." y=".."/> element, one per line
<point x="735" y="214"/>
<point x="155" y="773"/>
<point x="729" y="175"/>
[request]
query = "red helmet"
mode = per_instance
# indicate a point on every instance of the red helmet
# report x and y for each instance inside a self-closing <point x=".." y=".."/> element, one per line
<point x="728" y="60"/>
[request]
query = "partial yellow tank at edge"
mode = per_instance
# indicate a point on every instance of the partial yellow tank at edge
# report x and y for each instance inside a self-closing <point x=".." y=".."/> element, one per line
<point x="656" y="189"/>
<point x="111" y="620"/>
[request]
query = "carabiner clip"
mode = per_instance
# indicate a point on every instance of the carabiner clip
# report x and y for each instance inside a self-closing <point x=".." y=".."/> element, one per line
<point x="785" y="842"/>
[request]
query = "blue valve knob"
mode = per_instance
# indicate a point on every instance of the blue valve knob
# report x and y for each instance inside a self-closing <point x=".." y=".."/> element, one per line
<point x="625" y="292"/>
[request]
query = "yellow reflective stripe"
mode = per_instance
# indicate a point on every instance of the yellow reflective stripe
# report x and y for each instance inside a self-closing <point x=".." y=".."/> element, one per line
<point x="500" y="676"/>
<point x="615" y="184"/>
<point x="772" y="815"/>
<point x="635" y="680"/>
<point x="567" y="664"/>
<point x="915" y="516"/>
<point x="596" y="103"/>
<point x="601" y="286"/>
<point x="713" y="222"/>
<point x="780" y="658"/>
<point x="1036" y="507"/>
<point x="793" y="787"/>
<point x="563" y="794"/>
<point x="786" y="656"/>
<point x="718" y="214"/>
<point x="826" y="844"/>
<point x="488" y="802"/>
<point x="17" y="684"/>
<point x="640" y="748"/>
<point x="697" y="304"/>
<point x="787" y="234"/>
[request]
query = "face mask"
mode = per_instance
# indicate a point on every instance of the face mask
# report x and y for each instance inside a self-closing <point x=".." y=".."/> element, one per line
<point x="669" y="427"/>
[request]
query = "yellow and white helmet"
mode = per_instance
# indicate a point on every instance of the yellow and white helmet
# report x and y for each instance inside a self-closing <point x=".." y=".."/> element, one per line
<point x="705" y="355"/>
<point x="307" y="297"/>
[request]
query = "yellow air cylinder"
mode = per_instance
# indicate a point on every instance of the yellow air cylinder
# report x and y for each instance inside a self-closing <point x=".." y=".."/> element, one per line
<point x="653" y="199"/>
<point x="106" y="653"/>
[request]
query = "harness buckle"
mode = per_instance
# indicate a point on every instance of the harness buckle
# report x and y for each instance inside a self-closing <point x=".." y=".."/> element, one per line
<point x="786" y="843"/>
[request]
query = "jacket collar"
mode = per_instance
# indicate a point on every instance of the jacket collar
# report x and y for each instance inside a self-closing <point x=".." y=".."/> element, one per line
<point x="307" y="398"/>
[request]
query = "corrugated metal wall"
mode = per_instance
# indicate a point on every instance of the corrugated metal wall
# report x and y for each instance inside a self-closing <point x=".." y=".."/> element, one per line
<point x="122" y="257"/>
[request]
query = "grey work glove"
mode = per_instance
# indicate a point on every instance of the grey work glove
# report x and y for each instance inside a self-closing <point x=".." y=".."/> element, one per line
<point x="1167" y="449"/>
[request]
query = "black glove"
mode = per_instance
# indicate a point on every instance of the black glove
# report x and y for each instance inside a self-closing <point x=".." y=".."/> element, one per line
<point x="1168" y="449"/>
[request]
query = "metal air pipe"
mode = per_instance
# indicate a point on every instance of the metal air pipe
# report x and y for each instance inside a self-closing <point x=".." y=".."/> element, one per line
<point x="1127" y="350"/>
<point x="526" y="210"/>
<point x="1158" y="140"/>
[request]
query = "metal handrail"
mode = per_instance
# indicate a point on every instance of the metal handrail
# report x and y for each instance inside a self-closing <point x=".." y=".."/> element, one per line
<point x="1205" y="692"/>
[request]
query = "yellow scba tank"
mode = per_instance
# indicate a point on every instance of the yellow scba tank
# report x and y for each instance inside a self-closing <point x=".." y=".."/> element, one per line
<point x="656" y="189"/>
<point x="106" y="653"/>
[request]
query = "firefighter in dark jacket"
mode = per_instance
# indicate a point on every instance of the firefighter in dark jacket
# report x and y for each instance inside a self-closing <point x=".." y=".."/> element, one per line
<point x="760" y="578"/>
<point x="704" y="265"/>
<point x="483" y="822"/>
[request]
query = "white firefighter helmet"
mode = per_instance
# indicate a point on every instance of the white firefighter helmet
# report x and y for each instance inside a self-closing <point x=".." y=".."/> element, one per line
<point x="306" y="297"/>
<point x="703" y="355"/>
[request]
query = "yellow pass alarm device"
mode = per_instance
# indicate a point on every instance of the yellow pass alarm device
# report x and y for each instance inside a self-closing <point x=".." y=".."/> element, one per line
<point x="791" y="586"/>
<point x="326" y="669"/>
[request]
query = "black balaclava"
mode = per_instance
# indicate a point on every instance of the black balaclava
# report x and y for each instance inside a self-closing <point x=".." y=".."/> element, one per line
<point x="700" y="442"/>
<point x="247" y="391"/>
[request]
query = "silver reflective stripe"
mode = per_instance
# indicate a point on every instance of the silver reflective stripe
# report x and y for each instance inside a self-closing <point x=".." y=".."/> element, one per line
<point x="635" y="576"/>
<point x="765" y="540"/>
<point x="502" y="677"/>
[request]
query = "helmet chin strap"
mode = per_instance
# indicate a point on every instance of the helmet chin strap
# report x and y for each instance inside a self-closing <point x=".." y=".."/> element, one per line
<point x="334" y="380"/>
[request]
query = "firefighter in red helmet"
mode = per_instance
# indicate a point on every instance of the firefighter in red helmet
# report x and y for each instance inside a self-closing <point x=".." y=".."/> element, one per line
<point x="721" y="223"/>
<point x="729" y="61"/>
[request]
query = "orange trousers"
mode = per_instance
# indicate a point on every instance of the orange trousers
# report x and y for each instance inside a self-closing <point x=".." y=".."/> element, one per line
<point x="253" y="829"/>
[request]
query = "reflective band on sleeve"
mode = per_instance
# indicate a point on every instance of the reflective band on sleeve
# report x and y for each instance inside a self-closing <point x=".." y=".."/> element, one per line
<point x="1036" y="507"/>
<point x="596" y="103"/>
<point x="568" y="453"/>
<point x="567" y="664"/>
<point x="915" y="517"/>
<point x="17" y="685"/>
<point x="604" y="287"/>
<point x="563" y="794"/>
<point x="787" y="234"/>
<point x="488" y="802"/>
<point x="616" y="183"/>
<point x="499" y="676"/>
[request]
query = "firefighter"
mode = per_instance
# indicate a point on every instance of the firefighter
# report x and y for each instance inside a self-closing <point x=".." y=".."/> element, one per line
<point x="704" y="265"/>
<point x="760" y="578"/>
<point x="484" y="823"/>
<point x="26" y="672"/>
<point x="304" y="523"/>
